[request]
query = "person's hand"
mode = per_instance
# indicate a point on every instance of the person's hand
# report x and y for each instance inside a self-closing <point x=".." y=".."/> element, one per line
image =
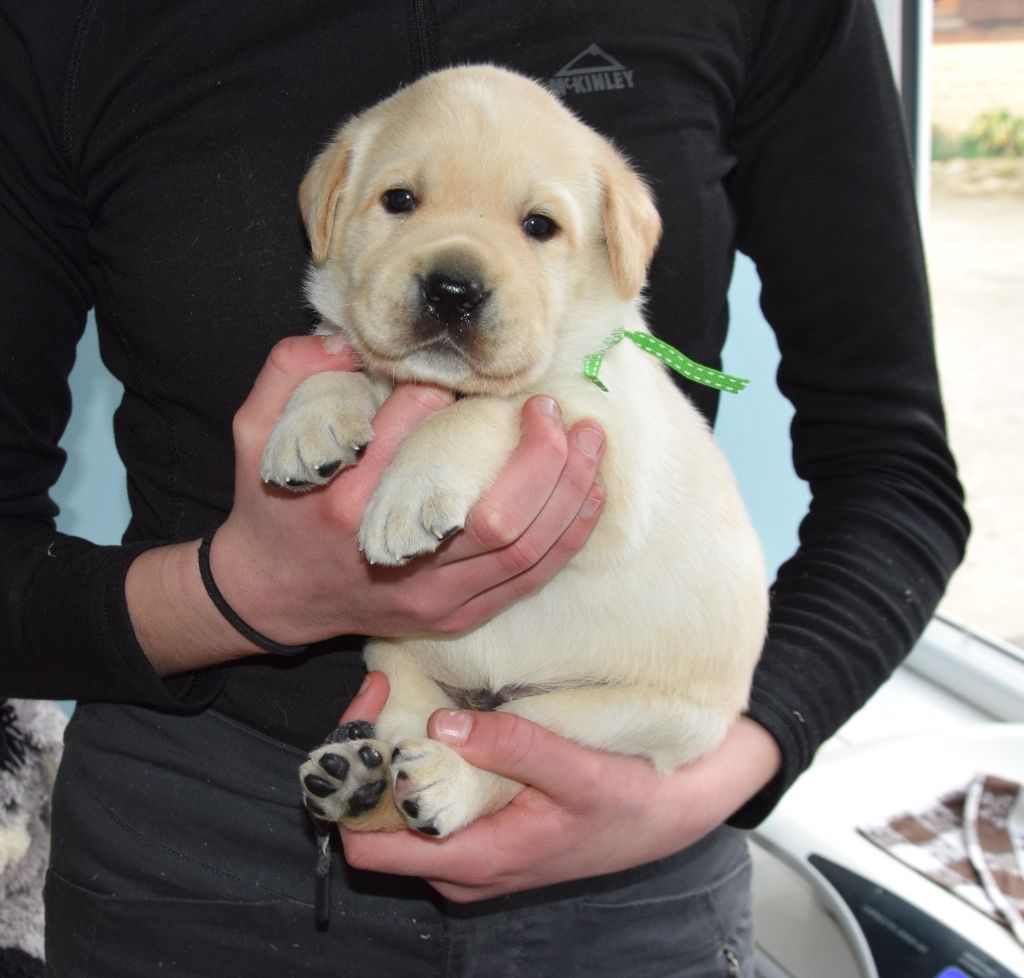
<point x="583" y="813"/>
<point x="289" y="565"/>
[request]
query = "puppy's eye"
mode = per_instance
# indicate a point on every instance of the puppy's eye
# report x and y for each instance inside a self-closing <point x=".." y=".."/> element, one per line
<point x="539" y="227"/>
<point x="398" y="200"/>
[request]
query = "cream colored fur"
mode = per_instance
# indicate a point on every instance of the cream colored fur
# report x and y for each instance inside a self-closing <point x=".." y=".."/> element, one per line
<point x="648" y="638"/>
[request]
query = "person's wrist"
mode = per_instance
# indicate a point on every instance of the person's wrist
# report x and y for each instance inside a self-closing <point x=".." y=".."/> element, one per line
<point x="746" y="762"/>
<point x="233" y="618"/>
<point x="175" y="623"/>
<point x="251" y="585"/>
<point x="711" y="789"/>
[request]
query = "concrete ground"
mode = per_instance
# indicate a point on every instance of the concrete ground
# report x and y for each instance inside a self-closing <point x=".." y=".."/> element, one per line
<point x="975" y="242"/>
<point x="974" y="231"/>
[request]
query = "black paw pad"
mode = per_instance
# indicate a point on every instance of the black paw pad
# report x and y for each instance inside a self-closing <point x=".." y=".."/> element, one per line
<point x="335" y="765"/>
<point x="370" y="756"/>
<point x="296" y="485"/>
<point x="411" y="809"/>
<point x="321" y="787"/>
<point x="366" y="797"/>
<point x="328" y="469"/>
<point x="314" y="808"/>
<point x="428" y="830"/>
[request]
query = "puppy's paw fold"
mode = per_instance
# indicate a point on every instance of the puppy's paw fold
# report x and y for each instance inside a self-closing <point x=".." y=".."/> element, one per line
<point x="324" y="429"/>
<point x="413" y="513"/>
<point x="305" y="452"/>
<point x="433" y="787"/>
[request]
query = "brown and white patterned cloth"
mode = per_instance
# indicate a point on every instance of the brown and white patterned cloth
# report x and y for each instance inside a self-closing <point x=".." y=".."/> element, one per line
<point x="970" y="841"/>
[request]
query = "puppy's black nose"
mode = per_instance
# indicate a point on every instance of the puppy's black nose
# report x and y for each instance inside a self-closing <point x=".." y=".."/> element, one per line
<point x="452" y="300"/>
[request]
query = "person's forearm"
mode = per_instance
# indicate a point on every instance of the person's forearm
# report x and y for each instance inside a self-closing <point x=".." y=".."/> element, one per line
<point x="747" y="761"/>
<point x="175" y="622"/>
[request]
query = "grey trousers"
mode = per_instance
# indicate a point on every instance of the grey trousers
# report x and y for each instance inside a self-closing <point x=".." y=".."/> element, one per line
<point x="180" y="848"/>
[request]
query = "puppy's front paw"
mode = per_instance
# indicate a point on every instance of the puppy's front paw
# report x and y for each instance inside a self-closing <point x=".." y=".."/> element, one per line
<point x="346" y="779"/>
<point x="435" y="789"/>
<point x="323" y="429"/>
<point x="414" y="510"/>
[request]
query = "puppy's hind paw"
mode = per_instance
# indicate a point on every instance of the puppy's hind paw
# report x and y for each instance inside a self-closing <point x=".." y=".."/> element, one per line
<point x="438" y="792"/>
<point x="346" y="780"/>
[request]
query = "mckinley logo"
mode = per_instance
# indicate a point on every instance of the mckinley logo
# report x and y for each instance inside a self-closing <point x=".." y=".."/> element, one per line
<point x="591" y="71"/>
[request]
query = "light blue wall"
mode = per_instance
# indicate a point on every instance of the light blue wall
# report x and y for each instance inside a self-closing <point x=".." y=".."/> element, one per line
<point x="91" y="490"/>
<point x="753" y="429"/>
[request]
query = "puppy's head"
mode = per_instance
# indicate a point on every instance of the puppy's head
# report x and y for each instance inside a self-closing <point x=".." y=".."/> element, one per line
<point x="460" y="227"/>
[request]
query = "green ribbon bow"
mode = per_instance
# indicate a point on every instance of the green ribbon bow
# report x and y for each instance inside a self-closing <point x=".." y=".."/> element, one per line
<point x="669" y="356"/>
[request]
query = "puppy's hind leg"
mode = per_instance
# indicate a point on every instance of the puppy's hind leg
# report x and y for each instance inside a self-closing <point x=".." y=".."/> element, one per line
<point x="435" y="790"/>
<point x="347" y="779"/>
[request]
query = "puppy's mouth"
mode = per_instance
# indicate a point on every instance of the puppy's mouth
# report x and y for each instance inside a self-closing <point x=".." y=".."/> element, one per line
<point x="449" y="329"/>
<point x="443" y="360"/>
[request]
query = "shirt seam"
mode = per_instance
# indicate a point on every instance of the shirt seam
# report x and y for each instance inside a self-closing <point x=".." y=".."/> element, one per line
<point x="69" y="95"/>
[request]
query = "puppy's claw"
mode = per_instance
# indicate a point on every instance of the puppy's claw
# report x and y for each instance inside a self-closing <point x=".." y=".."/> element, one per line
<point x="328" y="469"/>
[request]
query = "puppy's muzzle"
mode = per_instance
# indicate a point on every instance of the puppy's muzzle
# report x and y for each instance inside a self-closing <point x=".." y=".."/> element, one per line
<point x="452" y="303"/>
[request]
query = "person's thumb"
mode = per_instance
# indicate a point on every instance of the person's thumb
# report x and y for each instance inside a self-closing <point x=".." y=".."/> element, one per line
<point x="511" y="746"/>
<point x="406" y="407"/>
<point x="288" y="364"/>
<point x="369" y="701"/>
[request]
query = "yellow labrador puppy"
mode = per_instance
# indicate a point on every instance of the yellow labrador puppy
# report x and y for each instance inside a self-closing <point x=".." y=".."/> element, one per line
<point x="470" y="231"/>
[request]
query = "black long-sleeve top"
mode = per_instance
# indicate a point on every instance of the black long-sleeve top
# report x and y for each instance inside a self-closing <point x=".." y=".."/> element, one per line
<point x="150" y="152"/>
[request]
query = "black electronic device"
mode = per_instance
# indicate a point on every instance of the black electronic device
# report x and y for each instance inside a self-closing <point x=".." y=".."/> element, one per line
<point x="906" y="942"/>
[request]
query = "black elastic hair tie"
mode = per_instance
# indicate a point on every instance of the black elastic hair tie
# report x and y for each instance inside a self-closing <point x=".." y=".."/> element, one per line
<point x="229" y="613"/>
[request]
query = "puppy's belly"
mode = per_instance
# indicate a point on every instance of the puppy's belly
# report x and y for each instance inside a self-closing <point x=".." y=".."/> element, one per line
<point x="585" y="629"/>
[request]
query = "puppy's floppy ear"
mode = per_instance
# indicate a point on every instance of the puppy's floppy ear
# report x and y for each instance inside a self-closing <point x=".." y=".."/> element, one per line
<point x="632" y="226"/>
<point x="321" y="190"/>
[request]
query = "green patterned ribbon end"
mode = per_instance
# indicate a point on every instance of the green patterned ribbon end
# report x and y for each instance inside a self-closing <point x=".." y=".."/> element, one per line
<point x="669" y="356"/>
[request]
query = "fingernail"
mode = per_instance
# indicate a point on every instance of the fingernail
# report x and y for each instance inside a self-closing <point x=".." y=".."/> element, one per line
<point x="453" y="726"/>
<point x="589" y="507"/>
<point x="336" y="343"/>
<point x="549" y="406"/>
<point x="432" y="397"/>
<point x="364" y="687"/>
<point x="589" y="441"/>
